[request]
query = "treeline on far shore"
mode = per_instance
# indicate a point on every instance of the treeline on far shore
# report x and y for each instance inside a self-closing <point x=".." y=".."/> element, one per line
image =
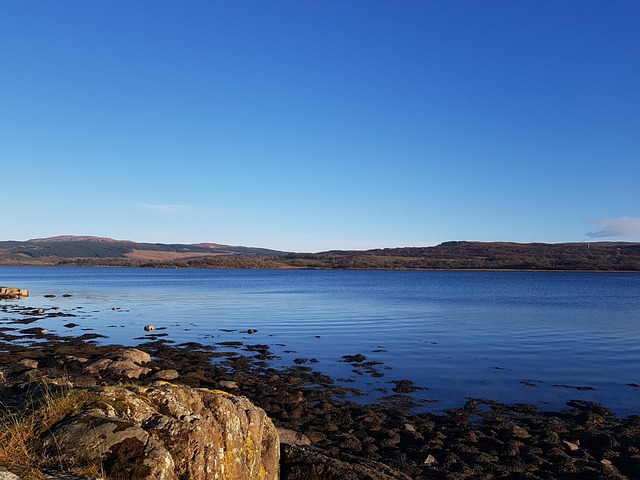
<point x="600" y="256"/>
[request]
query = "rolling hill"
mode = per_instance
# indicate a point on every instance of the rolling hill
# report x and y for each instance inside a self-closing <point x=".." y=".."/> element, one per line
<point x="87" y="250"/>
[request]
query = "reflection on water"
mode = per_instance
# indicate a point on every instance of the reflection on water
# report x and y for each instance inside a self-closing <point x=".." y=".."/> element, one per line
<point x="509" y="336"/>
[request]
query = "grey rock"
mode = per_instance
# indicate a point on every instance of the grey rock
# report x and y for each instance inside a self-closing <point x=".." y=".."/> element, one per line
<point x="227" y="384"/>
<point x="7" y="475"/>
<point x="291" y="437"/>
<point x="166" y="375"/>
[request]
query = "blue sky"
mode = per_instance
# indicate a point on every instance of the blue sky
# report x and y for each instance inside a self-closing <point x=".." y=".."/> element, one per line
<point x="315" y="125"/>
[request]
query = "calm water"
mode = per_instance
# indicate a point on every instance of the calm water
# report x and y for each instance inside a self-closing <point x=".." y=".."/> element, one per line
<point x="509" y="336"/>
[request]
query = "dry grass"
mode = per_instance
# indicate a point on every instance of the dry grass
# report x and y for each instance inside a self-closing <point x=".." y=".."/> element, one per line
<point x="21" y="428"/>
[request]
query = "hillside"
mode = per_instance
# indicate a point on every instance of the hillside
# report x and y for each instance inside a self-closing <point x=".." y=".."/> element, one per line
<point x="603" y="256"/>
<point x="86" y="250"/>
<point x="95" y="251"/>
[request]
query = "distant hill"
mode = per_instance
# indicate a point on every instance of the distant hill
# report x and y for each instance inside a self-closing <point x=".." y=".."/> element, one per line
<point x="97" y="251"/>
<point x="601" y="256"/>
<point x="86" y="250"/>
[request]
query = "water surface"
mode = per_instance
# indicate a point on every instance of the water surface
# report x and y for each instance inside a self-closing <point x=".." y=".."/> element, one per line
<point x="536" y="337"/>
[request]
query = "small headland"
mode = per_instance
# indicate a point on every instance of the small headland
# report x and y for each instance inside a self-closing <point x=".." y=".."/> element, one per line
<point x="152" y="395"/>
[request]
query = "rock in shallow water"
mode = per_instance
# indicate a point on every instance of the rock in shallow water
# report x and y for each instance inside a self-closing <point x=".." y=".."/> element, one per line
<point x="12" y="293"/>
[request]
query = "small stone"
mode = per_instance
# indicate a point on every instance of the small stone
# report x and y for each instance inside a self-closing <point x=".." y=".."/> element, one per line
<point x="519" y="432"/>
<point x="73" y="358"/>
<point x="409" y="428"/>
<point x="291" y="437"/>
<point x="608" y="466"/>
<point x="28" y="363"/>
<point x="40" y="311"/>
<point x="166" y="375"/>
<point x="66" y="295"/>
<point x="149" y="328"/>
<point x="50" y="295"/>
<point x="430" y="460"/>
<point x="227" y="384"/>
<point x="251" y="331"/>
<point x="572" y="447"/>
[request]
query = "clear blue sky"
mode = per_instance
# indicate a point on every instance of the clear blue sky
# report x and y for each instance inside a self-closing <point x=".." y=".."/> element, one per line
<point x="312" y="125"/>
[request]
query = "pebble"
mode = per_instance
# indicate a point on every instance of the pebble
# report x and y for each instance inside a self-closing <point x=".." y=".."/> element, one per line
<point x="409" y="428"/>
<point x="149" y="328"/>
<point x="519" y="432"/>
<point x="430" y="460"/>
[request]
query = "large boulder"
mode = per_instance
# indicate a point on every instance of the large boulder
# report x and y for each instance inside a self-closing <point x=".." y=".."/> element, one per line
<point x="170" y="432"/>
<point x="11" y="293"/>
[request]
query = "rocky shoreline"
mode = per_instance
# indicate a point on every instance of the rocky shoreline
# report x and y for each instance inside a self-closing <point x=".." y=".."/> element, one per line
<point x="322" y="433"/>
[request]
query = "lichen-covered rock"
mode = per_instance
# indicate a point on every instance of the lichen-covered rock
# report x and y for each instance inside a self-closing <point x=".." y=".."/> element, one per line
<point x="171" y="432"/>
<point x="125" y="450"/>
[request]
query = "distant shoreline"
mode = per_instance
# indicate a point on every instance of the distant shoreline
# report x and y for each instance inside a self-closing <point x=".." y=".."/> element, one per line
<point x="498" y="270"/>
<point x="472" y="256"/>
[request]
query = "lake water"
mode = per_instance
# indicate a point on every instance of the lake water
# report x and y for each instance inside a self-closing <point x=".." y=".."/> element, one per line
<point x="534" y="337"/>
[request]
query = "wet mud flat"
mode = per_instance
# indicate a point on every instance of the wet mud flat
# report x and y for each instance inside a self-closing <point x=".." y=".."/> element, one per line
<point x="483" y="439"/>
